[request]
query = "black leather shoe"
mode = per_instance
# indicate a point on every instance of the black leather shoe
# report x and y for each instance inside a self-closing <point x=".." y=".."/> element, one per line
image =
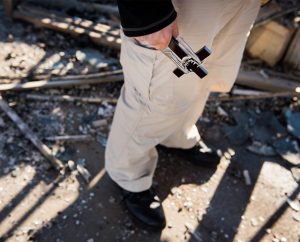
<point x="145" y="207"/>
<point x="199" y="155"/>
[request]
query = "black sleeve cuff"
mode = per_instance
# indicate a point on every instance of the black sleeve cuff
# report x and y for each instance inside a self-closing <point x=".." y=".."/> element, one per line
<point x="140" y="18"/>
<point x="151" y="28"/>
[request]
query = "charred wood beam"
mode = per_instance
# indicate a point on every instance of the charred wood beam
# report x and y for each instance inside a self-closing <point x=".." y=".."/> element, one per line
<point x="45" y="76"/>
<point x="255" y="80"/>
<point x="254" y="97"/>
<point x="100" y="34"/>
<point x="70" y="138"/>
<point x="80" y="6"/>
<point x="29" y="134"/>
<point x="59" y="83"/>
<point x="67" y="98"/>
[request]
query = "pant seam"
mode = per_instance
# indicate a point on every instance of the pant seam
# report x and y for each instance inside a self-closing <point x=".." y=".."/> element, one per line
<point x="140" y="114"/>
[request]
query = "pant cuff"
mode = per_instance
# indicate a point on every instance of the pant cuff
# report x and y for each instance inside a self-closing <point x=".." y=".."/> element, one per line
<point x="139" y="185"/>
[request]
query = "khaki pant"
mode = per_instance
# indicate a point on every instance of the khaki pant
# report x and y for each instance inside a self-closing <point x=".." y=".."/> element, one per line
<point x="156" y="107"/>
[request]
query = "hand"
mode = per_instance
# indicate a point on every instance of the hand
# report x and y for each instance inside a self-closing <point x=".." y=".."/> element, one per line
<point x="160" y="39"/>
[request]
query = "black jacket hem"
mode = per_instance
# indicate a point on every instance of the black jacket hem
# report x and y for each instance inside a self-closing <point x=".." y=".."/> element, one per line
<point x="154" y="27"/>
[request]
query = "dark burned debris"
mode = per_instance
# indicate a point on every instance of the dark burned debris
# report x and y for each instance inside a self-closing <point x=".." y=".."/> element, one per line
<point x="69" y="97"/>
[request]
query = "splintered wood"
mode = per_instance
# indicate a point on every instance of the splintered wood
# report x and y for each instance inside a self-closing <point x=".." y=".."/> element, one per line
<point x="30" y="135"/>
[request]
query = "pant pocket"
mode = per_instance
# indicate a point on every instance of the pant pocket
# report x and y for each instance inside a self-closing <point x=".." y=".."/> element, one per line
<point x="138" y="65"/>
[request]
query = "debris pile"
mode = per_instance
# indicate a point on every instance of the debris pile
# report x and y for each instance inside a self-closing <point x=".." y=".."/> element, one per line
<point x="59" y="84"/>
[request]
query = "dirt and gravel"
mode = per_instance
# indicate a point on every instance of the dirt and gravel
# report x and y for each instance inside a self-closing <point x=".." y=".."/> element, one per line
<point x="253" y="195"/>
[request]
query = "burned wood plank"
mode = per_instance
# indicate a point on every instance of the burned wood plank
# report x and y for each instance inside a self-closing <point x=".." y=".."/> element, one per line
<point x="106" y="77"/>
<point x="29" y="134"/>
<point x="84" y="23"/>
<point x="67" y="98"/>
<point x="255" y="80"/>
<point x="284" y="75"/>
<point x="86" y="175"/>
<point x="99" y="33"/>
<point x="79" y="6"/>
<point x="44" y="76"/>
<point x="243" y="92"/>
<point x="254" y="97"/>
<point x="70" y="138"/>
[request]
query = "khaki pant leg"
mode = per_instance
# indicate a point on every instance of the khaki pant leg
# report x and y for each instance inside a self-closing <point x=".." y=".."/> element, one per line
<point x="188" y="135"/>
<point x="154" y="104"/>
<point x="223" y="65"/>
<point x="229" y="45"/>
<point x="131" y="162"/>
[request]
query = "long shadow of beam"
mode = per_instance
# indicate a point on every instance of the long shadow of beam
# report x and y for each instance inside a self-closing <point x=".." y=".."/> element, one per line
<point x="43" y="198"/>
<point x="223" y="215"/>
<point x="273" y="219"/>
<point x="11" y="205"/>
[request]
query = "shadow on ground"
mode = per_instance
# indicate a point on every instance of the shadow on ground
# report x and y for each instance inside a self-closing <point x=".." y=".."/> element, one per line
<point x="99" y="213"/>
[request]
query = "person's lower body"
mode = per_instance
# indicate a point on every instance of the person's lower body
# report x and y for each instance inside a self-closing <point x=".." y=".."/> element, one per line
<point x="155" y="107"/>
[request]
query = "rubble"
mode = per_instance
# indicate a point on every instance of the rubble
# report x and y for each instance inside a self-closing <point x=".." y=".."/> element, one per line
<point x="102" y="139"/>
<point x="247" y="178"/>
<point x="176" y="192"/>
<point x="292" y="56"/>
<point x="83" y="83"/>
<point x="71" y="165"/>
<point x="238" y="134"/>
<point x="80" y="6"/>
<point x="2" y="124"/>
<point x="288" y="150"/>
<point x="254" y="222"/>
<point x="111" y="76"/>
<point x="261" y="149"/>
<point x="99" y="123"/>
<point x="70" y="138"/>
<point x="84" y="173"/>
<point x="67" y="98"/>
<point x="30" y="135"/>
<point x="222" y="112"/>
<point x="92" y="57"/>
<point x="256" y="80"/>
<point x="98" y="33"/>
<point x="255" y="97"/>
<point x="293" y="124"/>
